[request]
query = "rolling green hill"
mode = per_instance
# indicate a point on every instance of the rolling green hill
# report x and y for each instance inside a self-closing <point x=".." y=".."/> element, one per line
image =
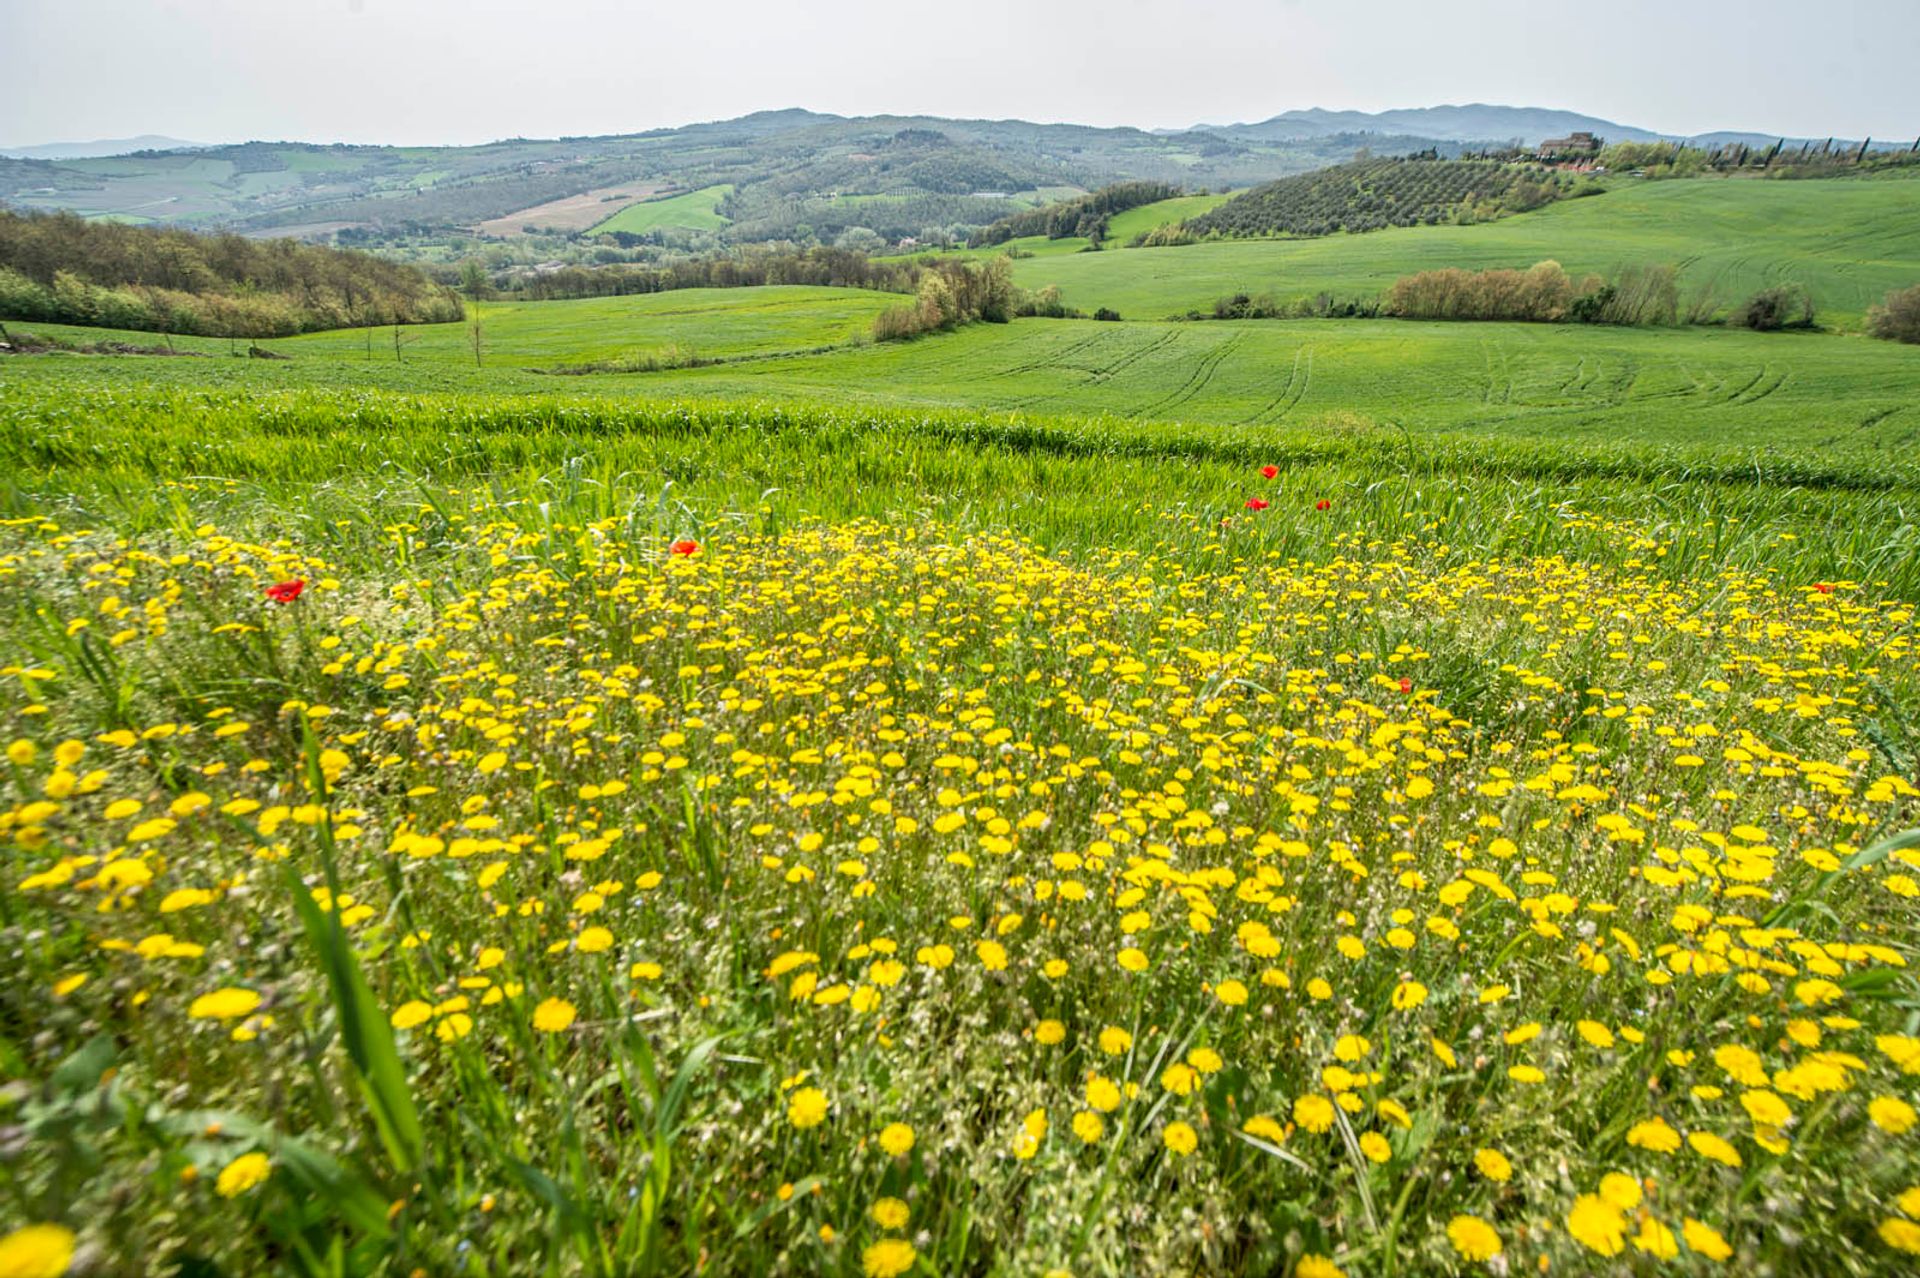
<point x="1698" y="387"/>
<point x="1368" y="195"/>
<point x="1708" y="390"/>
<point x="1847" y="240"/>
<point x="691" y="211"/>
<point x="1125" y="226"/>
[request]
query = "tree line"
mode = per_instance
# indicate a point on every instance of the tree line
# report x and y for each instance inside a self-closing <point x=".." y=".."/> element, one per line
<point x="60" y="268"/>
<point x="742" y="268"/>
<point x="1085" y="215"/>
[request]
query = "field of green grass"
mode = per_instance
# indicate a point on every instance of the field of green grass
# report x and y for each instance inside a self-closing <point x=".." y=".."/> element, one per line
<point x="690" y="211"/>
<point x="1709" y="392"/>
<point x="1300" y="799"/>
<point x="1122" y="227"/>
<point x="1848" y="241"/>
<point x="1700" y="387"/>
<point x="709" y="323"/>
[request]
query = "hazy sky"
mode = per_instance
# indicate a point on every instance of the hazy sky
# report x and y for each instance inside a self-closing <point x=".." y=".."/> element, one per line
<point x="426" y="71"/>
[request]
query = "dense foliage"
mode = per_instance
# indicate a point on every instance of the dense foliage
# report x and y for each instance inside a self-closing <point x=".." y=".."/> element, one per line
<point x="1545" y="293"/>
<point x="1085" y="215"/>
<point x="951" y="293"/>
<point x="61" y="268"/>
<point x="1370" y="194"/>
<point x="1775" y="308"/>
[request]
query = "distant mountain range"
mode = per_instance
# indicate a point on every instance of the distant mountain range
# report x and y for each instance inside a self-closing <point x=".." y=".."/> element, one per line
<point x="100" y="149"/>
<point x="1472" y="122"/>
<point x="1469" y="122"/>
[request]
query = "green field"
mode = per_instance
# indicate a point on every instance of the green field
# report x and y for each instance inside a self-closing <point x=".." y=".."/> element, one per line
<point x="1690" y="387"/>
<point x="1286" y="799"/>
<point x="691" y="211"/>
<point x="1122" y="227"/>
<point x="1847" y="241"/>
<point x="1711" y="392"/>
<point x="709" y="323"/>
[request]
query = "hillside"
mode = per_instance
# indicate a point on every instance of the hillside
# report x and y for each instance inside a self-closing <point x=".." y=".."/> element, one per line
<point x="1371" y="194"/>
<point x="795" y="174"/>
<point x="1848" y="240"/>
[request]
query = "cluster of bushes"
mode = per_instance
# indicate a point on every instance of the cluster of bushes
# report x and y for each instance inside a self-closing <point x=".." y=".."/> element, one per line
<point x="1085" y="215"/>
<point x="59" y="268"/>
<point x="1898" y="318"/>
<point x="951" y="293"/>
<point x="1544" y="293"/>
<point x="1268" y="306"/>
<point x="1368" y="195"/>
<point x="1636" y="295"/>
<point x="1772" y="309"/>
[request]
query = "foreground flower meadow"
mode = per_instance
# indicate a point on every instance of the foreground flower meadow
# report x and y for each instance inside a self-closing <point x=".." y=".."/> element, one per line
<point x="872" y="898"/>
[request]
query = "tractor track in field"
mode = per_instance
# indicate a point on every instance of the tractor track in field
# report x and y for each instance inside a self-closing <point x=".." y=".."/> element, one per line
<point x="1765" y="387"/>
<point x="1744" y="387"/>
<point x="1291" y="391"/>
<point x="1499" y="387"/>
<point x="1132" y="357"/>
<point x="1054" y="360"/>
<point x="1202" y="374"/>
<point x="1575" y="381"/>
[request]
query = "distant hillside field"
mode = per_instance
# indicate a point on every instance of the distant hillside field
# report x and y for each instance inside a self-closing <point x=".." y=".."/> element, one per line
<point x="1372" y="194"/>
<point x="1124" y="226"/>
<point x="693" y="211"/>
<point x="1847" y="240"/>
<point x="570" y="213"/>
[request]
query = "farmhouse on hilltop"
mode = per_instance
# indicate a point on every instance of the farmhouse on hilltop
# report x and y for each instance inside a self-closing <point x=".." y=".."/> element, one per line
<point x="1578" y="144"/>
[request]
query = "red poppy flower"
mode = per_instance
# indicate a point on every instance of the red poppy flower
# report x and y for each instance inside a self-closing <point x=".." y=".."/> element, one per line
<point x="1406" y="685"/>
<point x="1256" y="503"/>
<point x="1825" y="588"/>
<point x="1323" y="504"/>
<point x="685" y="546"/>
<point x="286" y="591"/>
<point x="1268" y="472"/>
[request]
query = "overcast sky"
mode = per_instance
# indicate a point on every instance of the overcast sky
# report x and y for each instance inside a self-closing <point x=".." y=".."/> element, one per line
<point x="444" y="71"/>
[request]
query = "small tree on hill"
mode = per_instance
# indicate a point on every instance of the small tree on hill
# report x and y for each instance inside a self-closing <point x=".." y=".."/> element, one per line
<point x="1898" y="318"/>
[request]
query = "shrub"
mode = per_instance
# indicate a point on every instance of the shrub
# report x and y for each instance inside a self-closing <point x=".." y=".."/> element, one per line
<point x="951" y="294"/>
<point x="1106" y="313"/>
<point x="1898" y="318"/>
<point x="1772" y="309"/>
<point x="1541" y="294"/>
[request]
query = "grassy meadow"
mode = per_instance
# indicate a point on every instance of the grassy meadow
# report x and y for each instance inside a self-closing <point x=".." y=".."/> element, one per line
<point x="1848" y="241"/>
<point x="1309" y="798"/>
<point x="691" y="210"/>
<point x="705" y="322"/>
